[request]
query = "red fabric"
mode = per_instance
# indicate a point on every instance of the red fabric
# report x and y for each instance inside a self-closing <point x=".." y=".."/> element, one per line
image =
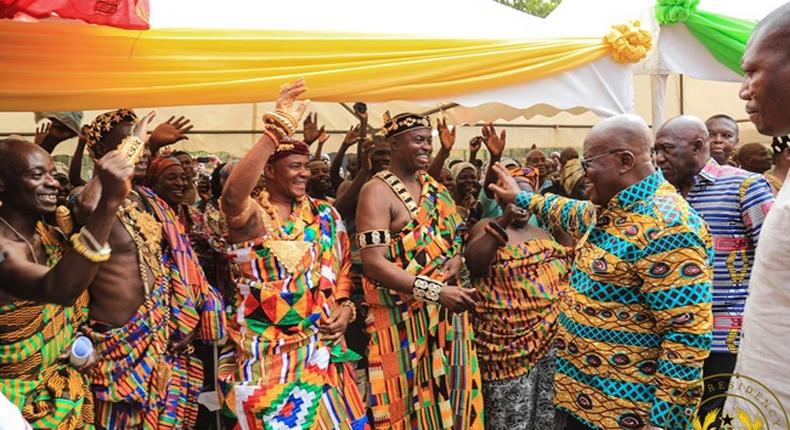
<point x="129" y="14"/>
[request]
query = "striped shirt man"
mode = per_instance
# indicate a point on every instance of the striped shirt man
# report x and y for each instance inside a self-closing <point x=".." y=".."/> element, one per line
<point x="635" y="325"/>
<point x="734" y="203"/>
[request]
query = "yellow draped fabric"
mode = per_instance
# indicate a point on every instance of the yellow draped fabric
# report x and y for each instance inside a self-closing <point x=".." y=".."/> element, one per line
<point x="55" y="66"/>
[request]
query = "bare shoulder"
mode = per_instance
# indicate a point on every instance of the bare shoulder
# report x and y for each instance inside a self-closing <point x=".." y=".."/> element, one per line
<point x="375" y="190"/>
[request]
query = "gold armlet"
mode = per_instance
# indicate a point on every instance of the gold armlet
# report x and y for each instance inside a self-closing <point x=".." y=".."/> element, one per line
<point x="426" y="289"/>
<point x="94" y="253"/>
<point x="371" y="238"/>
<point x="241" y="216"/>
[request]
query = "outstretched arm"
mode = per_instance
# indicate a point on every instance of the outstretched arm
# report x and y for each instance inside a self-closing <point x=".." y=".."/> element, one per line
<point x="334" y="169"/>
<point x="573" y="216"/>
<point x="447" y="140"/>
<point x="235" y="201"/>
<point x="346" y="202"/>
<point x="65" y="281"/>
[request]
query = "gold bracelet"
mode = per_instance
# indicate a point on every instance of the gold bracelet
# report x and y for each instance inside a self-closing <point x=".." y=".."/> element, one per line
<point x="274" y="136"/>
<point x="426" y="289"/>
<point x="280" y="121"/>
<point x="349" y="304"/>
<point x="275" y="130"/>
<point x="287" y="115"/>
<point x="132" y="147"/>
<point x="78" y="242"/>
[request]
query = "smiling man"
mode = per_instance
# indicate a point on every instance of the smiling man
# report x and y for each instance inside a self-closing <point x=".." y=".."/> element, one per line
<point x="319" y="186"/>
<point x="635" y="326"/>
<point x="423" y="368"/>
<point x="43" y="283"/>
<point x="286" y="365"/>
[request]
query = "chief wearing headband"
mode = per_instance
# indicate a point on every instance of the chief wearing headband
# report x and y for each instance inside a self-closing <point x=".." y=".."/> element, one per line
<point x="411" y="256"/>
<point x="518" y="270"/>
<point x="292" y="253"/>
<point x="150" y="300"/>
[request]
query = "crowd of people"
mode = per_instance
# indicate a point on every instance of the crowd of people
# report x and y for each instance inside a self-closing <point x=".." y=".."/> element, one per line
<point x="395" y="287"/>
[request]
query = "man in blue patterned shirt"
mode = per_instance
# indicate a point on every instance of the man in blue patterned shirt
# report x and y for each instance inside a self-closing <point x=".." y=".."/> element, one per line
<point x="734" y="203"/>
<point x="635" y="326"/>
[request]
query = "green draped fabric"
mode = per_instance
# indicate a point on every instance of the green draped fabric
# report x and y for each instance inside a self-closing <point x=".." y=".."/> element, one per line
<point x="723" y="36"/>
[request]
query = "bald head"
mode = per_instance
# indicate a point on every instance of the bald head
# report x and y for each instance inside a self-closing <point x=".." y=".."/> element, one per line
<point x="13" y="149"/>
<point x="754" y="157"/>
<point x="628" y="132"/>
<point x="686" y="127"/>
<point x="774" y="28"/>
<point x="682" y="149"/>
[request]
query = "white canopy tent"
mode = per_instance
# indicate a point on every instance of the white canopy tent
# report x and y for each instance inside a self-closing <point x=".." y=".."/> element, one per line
<point x="552" y="112"/>
<point x="602" y="87"/>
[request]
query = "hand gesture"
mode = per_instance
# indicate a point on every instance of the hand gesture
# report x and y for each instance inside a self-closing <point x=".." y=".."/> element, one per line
<point x="115" y="175"/>
<point x="475" y="144"/>
<point x="506" y="189"/>
<point x="322" y="138"/>
<point x="457" y="299"/>
<point x="287" y="98"/>
<point x="169" y="132"/>
<point x="365" y="165"/>
<point x="336" y="326"/>
<point x="352" y="136"/>
<point x="180" y="346"/>
<point x="494" y="143"/>
<point x="310" y="129"/>
<point x="41" y="132"/>
<point x="446" y="134"/>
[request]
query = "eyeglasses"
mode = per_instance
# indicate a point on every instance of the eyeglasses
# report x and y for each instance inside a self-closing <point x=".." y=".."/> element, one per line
<point x="586" y="161"/>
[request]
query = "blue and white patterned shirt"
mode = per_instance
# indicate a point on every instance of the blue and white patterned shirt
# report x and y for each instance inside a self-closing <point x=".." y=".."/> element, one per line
<point x="734" y="203"/>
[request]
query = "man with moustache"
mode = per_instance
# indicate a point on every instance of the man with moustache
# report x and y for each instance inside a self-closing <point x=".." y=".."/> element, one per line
<point x="423" y="371"/>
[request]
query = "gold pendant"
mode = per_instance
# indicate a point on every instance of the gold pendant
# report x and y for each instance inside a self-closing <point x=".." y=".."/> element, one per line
<point x="163" y="373"/>
<point x="289" y="252"/>
<point x="63" y="220"/>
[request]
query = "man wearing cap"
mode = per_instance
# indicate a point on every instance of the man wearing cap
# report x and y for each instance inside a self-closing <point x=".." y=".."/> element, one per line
<point x="148" y="303"/>
<point x="423" y="368"/>
<point x="64" y="126"/>
<point x="43" y="284"/>
<point x="287" y="366"/>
